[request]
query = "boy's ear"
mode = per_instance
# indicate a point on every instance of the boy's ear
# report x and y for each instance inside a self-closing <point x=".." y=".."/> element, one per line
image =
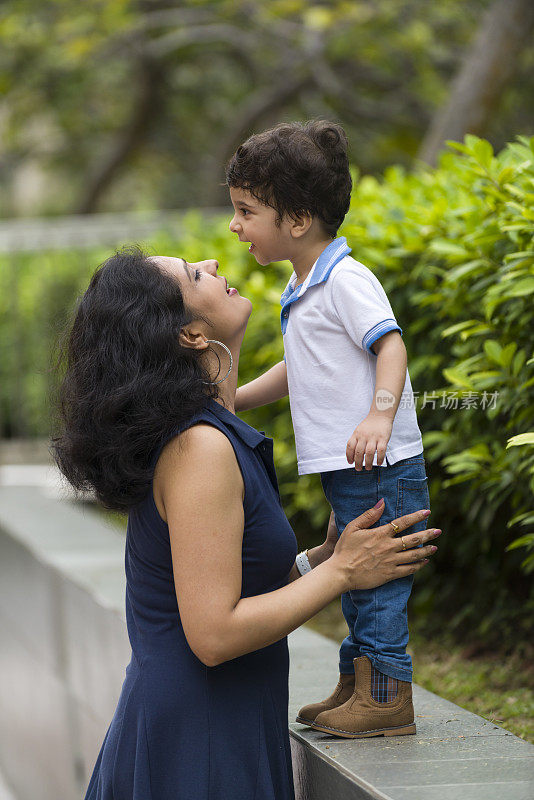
<point x="192" y="339"/>
<point x="301" y="225"/>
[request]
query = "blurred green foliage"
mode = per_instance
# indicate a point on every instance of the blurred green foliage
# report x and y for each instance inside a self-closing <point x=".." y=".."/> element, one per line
<point x="110" y="104"/>
<point x="454" y="249"/>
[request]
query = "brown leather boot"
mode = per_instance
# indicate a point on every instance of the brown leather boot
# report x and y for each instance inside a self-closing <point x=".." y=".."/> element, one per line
<point x="342" y="692"/>
<point x="361" y="716"/>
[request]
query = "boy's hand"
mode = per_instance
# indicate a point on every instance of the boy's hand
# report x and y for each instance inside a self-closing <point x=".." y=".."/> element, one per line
<point x="371" y="435"/>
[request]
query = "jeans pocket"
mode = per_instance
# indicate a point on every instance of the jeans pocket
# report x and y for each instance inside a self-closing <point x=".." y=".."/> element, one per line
<point x="412" y="495"/>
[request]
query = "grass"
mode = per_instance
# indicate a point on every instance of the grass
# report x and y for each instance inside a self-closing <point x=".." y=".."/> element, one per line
<point x="497" y="687"/>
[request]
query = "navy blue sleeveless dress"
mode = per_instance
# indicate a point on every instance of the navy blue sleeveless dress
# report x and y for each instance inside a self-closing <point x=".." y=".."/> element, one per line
<point x="182" y="730"/>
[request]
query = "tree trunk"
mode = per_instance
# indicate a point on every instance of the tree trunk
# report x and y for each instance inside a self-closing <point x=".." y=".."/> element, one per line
<point x="133" y="135"/>
<point x="488" y="66"/>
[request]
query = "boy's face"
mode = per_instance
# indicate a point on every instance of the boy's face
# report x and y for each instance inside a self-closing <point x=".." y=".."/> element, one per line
<point x="255" y="222"/>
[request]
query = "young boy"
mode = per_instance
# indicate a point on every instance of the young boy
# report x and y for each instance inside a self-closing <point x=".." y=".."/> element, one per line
<point x="345" y="370"/>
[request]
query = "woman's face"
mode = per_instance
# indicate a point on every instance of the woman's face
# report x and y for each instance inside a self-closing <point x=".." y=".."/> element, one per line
<point x="208" y="295"/>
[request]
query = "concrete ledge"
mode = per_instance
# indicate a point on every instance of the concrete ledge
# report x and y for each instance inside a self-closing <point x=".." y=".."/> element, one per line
<point x="65" y="648"/>
<point x="455" y="754"/>
<point x="64" y="641"/>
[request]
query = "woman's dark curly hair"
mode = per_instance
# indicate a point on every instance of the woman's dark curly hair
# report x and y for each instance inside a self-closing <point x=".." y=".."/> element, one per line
<point x="297" y="168"/>
<point x="128" y="383"/>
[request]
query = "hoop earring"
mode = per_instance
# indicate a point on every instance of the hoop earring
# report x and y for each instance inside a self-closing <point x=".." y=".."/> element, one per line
<point x="216" y="341"/>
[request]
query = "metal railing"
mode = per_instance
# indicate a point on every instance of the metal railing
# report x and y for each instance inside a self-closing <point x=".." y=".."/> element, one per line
<point x="85" y="231"/>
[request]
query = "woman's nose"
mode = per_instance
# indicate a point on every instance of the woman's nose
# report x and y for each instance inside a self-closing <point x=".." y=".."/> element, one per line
<point x="211" y="266"/>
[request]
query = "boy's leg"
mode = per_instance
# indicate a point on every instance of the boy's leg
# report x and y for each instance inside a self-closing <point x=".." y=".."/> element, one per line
<point x="349" y="493"/>
<point x="382" y="700"/>
<point x="377" y="618"/>
<point x="382" y="623"/>
<point x="333" y="486"/>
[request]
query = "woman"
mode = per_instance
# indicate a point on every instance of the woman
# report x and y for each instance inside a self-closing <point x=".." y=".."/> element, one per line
<point x="212" y="588"/>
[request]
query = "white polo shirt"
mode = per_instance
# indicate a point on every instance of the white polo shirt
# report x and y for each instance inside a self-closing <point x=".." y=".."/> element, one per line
<point x="329" y="324"/>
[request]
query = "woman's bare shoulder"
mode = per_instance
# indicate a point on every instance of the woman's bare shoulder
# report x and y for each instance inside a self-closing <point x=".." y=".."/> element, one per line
<point x="202" y="452"/>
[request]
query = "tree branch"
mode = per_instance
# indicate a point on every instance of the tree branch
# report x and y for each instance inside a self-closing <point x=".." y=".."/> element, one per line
<point x="259" y="105"/>
<point x="200" y="34"/>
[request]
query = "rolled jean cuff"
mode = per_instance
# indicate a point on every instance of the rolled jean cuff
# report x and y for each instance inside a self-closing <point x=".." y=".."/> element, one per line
<point x="391" y="670"/>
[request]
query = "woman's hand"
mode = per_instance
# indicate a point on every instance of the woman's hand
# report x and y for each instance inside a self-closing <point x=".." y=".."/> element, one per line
<point x="199" y="488"/>
<point x="323" y="551"/>
<point x="367" y="557"/>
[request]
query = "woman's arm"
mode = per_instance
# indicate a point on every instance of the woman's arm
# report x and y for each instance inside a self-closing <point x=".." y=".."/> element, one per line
<point x="270" y="386"/>
<point x="316" y="555"/>
<point x="199" y="491"/>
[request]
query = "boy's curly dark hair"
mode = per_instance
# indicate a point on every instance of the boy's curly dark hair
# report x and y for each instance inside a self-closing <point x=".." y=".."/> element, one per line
<point x="128" y="383"/>
<point x="297" y="168"/>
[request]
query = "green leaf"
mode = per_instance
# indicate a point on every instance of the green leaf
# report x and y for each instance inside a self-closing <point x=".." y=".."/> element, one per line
<point x="506" y="174"/>
<point x="493" y="351"/>
<point x="521" y="288"/>
<point x="525" y="518"/>
<point x="462" y="148"/>
<point x="444" y="247"/>
<point x="457" y="378"/>
<point x="483" y="152"/>
<point x="459" y="326"/>
<point x="507" y="354"/>
<point x="464" y="269"/>
<point x="521" y="439"/>
<point x="523" y="541"/>
<point x="519" y="361"/>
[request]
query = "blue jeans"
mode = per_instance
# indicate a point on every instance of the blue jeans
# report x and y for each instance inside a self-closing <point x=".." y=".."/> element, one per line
<point x="377" y="618"/>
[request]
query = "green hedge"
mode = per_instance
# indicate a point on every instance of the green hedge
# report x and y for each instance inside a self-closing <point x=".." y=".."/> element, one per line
<point x="453" y="247"/>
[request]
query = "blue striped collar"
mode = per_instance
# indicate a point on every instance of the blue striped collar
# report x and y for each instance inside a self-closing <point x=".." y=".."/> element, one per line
<point x="320" y="271"/>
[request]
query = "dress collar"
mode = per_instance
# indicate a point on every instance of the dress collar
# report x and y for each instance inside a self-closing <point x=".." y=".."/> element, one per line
<point x="246" y="433"/>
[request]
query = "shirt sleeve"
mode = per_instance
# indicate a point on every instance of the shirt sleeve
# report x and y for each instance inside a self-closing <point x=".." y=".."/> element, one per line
<point x="362" y="308"/>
